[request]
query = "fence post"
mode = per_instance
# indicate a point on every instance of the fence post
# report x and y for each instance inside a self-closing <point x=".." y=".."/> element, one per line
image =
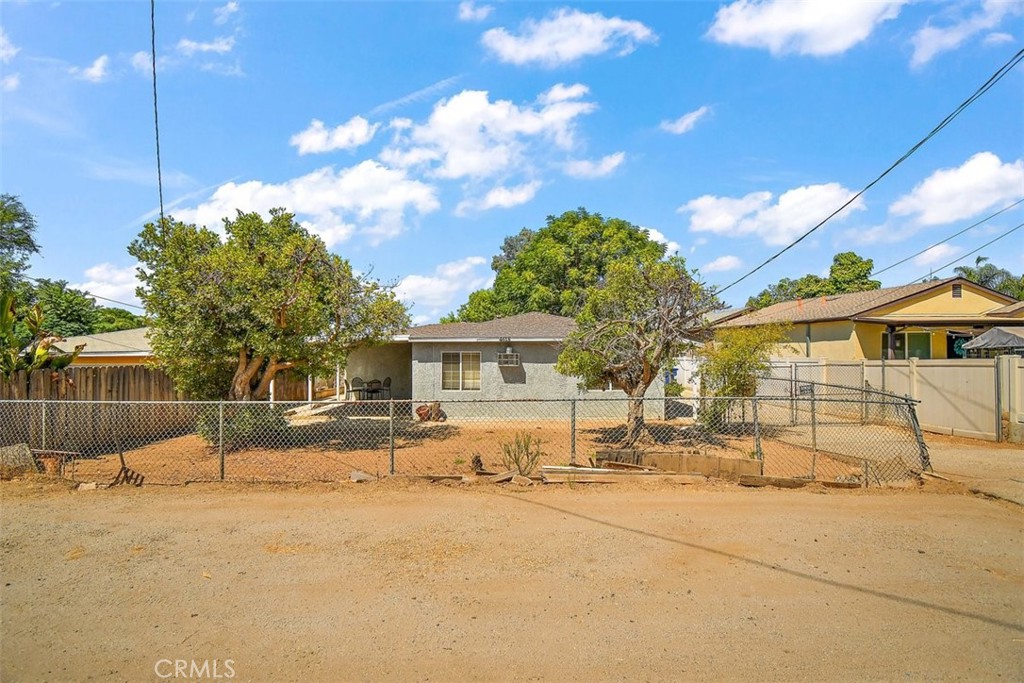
<point x="863" y="393"/>
<point x="999" y="398"/>
<point x="792" y="394"/>
<point x="572" y="432"/>
<point x="43" y="430"/>
<point x="220" y="435"/>
<point x="391" y="435"/>
<point x="814" y="420"/>
<point x="757" y="436"/>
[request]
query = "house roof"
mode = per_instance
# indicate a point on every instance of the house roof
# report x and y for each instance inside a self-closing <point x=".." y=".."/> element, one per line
<point x="720" y="316"/>
<point x="1008" y="311"/>
<point x="133" y="342"/>
<point x="842" y="306"/>
<point x="523" y="327"/>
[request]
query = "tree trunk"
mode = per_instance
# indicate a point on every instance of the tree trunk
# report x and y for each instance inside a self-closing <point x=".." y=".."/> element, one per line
<point x="241" y="385"/>
<point x="634" y="420"/>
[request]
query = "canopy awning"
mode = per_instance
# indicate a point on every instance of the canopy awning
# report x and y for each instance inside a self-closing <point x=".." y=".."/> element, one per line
<point x="998" y="338"/>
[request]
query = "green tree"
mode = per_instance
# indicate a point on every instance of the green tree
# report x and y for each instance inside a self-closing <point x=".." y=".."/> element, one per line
<point x="227" y="316"/>
<point x="17" y="241"/>
<point x="633" y="324"/>
<point x="989" y="275"/>
<point x="550" y="270"/>
<point x="115" y="319"/>
<point x="848" y="273"/>
<point x="68" y="312"/>
<point x="39" y="352"/>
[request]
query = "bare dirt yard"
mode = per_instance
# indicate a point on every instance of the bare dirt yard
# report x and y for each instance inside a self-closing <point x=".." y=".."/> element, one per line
<point x="404" y="580"/>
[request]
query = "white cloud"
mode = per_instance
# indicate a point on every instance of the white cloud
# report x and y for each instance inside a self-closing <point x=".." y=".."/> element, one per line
<point x="670" y="246"/>
<point x="933" y="40"/>
<point x="221" y="45"/>
<point x="95" y="72"/>
<point x="446" y="282"/>
<point x="795" y="212"/>
<point x="686" y="122"/>
<point x="938" y="253"/>
<point x="10" y="82"/>
<point x="7" y="49"/>
<point x="566" y="36"/>
<point x="468" y="136"/>
<point x="997" y="38"/>
<point x="368" y="198"/>
<point x="112" y="282"/>
<point x="583" y="168"/>
<point x="223" y="13"/>
<point x="805" y="27"/>
<point x="500" y="198"/>
<point x="722" y="264"/>
<point x="316" y="139"/>
<point x="952" y="194"/>
<point x="470" y="11"/>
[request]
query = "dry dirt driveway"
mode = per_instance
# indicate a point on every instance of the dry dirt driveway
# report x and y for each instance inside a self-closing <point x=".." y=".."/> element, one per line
<point x="995" y="469"/>
<point x="410" y="581"/>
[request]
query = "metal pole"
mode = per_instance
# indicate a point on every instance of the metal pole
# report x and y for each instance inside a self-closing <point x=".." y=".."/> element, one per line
<point x="792" y="393"/>
<point x="391" y="434"/>
<point x="43" y="436"/>
<point x="814" y="421"/>
<point x="863" y="393"/>
<point x="220" y="435"/>
<point x="757" y="436"/>
<point x="999" y="399"/>
<point x="572" y="432"/>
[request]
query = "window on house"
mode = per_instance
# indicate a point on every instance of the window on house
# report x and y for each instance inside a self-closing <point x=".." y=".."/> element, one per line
<point x="460" y="371"/>
<point x="958" y="291"/>
<point x="600" y="385"/>
<point x="908" y="345"/>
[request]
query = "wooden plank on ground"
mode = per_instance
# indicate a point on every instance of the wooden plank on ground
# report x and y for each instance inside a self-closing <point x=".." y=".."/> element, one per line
<point x="781" y="482"/>
<point x="503" y="477"/>
<point x="613" y="465"/>
<point x="620" y="477"/>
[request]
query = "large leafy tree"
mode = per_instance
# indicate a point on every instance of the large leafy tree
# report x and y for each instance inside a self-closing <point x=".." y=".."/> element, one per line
<point x="848" y="273"/>
<point x="17" y="241"/>
<point x="68" y="312"/>
<point x="550" y="270"/>
<point x="989" y="275"/>
<point x="39" y="352"/>
<point x="633" y="323"/>
<point x="228" y="316"/>
<point x="116" y="319"/>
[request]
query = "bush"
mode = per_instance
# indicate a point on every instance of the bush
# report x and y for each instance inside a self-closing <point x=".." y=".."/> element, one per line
<point x="245" y="424"/>
<point x="673" y="389"/>
<point x="522" y="454"/>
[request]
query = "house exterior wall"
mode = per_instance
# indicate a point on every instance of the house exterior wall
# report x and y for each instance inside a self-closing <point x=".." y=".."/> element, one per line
<point x="534" y="380"/>
<point x="392" y="360"/>
<point x="830" y="339"/>
<point x="973" y="301"/>
<point x="110" y="360"/>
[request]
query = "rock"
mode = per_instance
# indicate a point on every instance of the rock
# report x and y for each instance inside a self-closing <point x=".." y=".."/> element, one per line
<point x="359" y="477"/>
<point x="88" y="486"/>
<point x="17" y="459"/>
<point x="520" y="480"/>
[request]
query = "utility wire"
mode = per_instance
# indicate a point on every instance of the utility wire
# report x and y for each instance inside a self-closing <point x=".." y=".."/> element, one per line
<point x="972" y="253"/>
<point x="90" y="294"/>
<point x="969" y="227"/>
<point x="156" y="116"/>
<point x="985" y="87"/>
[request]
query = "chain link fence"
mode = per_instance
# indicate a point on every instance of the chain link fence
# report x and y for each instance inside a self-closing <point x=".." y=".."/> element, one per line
<point x="791" y="429"/>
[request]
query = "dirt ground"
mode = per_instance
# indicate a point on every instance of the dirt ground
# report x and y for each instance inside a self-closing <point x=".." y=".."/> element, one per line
<point x="403" y="580"/>
<point x="448" y="448"/>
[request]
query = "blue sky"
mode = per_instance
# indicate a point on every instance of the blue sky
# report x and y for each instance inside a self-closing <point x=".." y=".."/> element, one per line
<point x="415" y="136"/>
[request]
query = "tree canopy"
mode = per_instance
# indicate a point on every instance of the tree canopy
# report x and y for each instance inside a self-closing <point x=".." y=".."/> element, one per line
<point x="989" y="275"/>
<point x="848" y="273"/>
<point x="633" y="324"/>
<point x="549" y="270"/>
<point x="228" y="315"/>
<point x="17" y="241"/>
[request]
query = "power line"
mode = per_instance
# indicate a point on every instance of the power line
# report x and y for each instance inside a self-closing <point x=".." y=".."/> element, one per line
<point x="156" y="116"/>
<point x="969" y="227"/>
<point x="90" y="294"/>
<point x="985" y="87"/>
<point x="971" y="253"/>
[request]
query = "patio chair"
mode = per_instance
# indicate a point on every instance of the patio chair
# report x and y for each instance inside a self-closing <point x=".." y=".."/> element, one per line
<point x="385" y="388"/>
<point x="373" y="388"/>
<point x="358" y="388"/>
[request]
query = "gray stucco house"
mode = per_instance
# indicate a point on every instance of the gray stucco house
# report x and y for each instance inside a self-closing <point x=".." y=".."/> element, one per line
<point x="507" y="358"/>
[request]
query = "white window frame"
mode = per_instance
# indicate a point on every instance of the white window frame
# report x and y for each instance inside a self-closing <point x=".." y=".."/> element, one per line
<point x="462" y="370"/>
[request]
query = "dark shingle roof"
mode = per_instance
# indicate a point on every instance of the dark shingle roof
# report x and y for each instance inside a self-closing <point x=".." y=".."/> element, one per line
<point x="835" y="307"/>
<point x="523" y="327"/>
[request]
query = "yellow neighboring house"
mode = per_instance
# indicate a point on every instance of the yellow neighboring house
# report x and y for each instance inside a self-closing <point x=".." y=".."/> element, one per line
<point x="126" y="347"/>
<point x="923" y="320"/>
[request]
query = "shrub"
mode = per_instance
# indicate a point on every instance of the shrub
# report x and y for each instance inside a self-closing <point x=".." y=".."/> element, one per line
<point x="673" y="389"/>
<point x="245" y="424"/>
<point x="522" y="454"/>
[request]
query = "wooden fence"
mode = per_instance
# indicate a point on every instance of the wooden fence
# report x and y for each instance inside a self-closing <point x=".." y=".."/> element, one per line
<point x="92" y="383"/>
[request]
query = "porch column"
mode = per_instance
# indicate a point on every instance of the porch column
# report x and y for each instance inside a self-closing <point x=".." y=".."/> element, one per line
<point x="890" y="352"/>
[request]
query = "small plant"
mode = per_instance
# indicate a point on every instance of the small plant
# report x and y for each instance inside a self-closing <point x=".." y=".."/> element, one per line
<point x="522" y="454"/>
<point x="460" y="461"/>
<point x="245" y="424"/>
<point x="673" y="389"/>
